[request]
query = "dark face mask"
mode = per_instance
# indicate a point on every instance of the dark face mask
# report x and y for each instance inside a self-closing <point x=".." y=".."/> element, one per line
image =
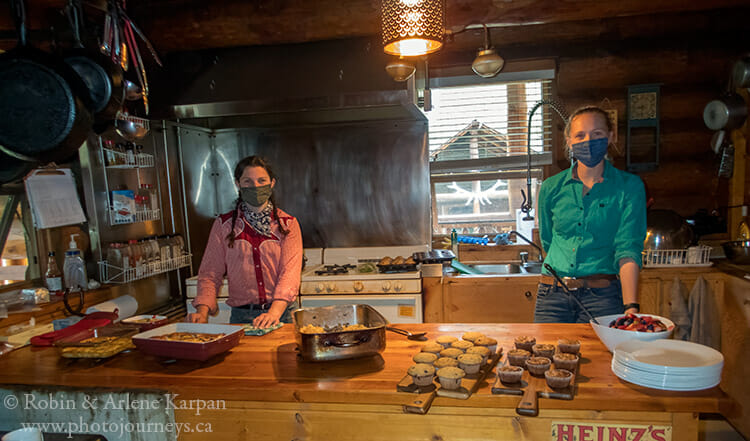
<point x="255" y="196"/>
<point x="590" y="153"/>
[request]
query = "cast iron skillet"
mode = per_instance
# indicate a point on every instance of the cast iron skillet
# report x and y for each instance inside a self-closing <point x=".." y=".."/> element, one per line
<point x="44" y="103"/>
<point x="12" y="169"/>
<point x="103" y="78"/>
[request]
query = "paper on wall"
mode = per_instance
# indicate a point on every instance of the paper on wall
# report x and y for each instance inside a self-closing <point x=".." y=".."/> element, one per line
<point x="53" y="198"/>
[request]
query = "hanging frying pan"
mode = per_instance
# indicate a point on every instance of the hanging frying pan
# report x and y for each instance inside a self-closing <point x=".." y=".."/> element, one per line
<point x="103" y="78"/>
<point x="44" y="103"/>
<point x="13" y="169"/>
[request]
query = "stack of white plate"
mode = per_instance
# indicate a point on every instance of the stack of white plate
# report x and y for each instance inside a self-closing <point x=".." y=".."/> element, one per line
<point x="668" y="364"/>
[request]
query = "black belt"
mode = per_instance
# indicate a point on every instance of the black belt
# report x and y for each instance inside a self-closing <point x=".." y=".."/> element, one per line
<point x="573" y="283"/>
<point x="253" y="306"/>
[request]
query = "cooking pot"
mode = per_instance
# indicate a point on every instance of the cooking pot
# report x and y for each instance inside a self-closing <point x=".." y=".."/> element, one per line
<point x="13" y="169"/>
<point x="667" y="230"/>
<point x="741" y="72"/>
<point x="44" y="103"/>
<point x="726" y="113"/>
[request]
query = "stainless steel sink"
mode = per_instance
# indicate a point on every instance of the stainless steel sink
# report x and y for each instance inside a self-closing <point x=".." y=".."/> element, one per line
<point x="507" y="268"/>
<point x="533" y="268"/>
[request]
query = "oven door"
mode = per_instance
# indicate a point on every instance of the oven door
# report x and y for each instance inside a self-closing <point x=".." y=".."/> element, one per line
<point x="396" y="308"/>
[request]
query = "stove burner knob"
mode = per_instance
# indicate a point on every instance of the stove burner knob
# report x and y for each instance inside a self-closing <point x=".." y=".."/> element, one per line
<point x="319" y="287"/>
<point x="387" y="285"/>
<point x="358" y="286"/>
<point x="330" y="287"/>
<point x="398" y="286"/>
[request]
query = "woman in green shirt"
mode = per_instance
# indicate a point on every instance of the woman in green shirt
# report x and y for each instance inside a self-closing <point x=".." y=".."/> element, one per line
<point x="592" y="222"/>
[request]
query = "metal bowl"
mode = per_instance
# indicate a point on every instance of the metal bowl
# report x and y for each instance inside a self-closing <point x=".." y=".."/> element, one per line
<point x="667" y="230"/>
<point x="737" y="251"/>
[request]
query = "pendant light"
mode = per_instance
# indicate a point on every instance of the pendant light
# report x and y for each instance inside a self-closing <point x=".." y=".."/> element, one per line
<point x="488" y="63"/>
<point x="400" y="69"/>
<point x="412" y="27"/>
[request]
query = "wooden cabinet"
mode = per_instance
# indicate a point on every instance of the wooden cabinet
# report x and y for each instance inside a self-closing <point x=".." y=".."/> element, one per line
<point x="489" y="299"/>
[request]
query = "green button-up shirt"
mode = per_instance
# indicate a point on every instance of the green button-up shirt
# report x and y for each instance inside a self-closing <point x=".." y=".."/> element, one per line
<point x="585" y="235"/>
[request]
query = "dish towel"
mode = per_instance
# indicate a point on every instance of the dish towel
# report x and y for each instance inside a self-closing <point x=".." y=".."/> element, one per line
<point x="704" y="315"/>
<point x="679" y="312"/>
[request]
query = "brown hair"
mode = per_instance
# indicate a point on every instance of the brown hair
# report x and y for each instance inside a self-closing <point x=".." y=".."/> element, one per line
<point x="253" y="161"/>
<point x="589" y="109"/>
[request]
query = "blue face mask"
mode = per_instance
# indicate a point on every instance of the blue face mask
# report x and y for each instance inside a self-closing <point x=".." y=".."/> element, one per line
<point x="590" y="153"/>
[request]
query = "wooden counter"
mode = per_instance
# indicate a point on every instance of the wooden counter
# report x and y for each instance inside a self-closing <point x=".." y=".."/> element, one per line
<point x="269" y="393"/>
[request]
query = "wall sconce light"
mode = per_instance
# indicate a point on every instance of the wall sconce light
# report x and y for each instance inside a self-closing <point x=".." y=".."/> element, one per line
<point x="400" y="69"/>
<point x="412" y="27"/>
<point x="488" y="63"/>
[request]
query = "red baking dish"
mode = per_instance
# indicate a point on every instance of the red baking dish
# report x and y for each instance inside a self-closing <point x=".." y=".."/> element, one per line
<point x="145" y="342"/>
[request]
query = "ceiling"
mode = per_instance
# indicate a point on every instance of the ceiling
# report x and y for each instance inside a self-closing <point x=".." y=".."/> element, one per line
<point x="179" y="25"/>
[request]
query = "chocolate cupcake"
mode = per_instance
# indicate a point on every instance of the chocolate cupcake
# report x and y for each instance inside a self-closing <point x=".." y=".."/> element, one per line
<point x="470" y="363"/>
<point x="510" y="374"/>
<point x="445" y="362"/>
<point x="425" y="357"/>
<point x="564" y="360"/>
<point x="422" y="374"/>
<point x="569" y="346"/>
<point x="538" y="365"/>
<point x="518" y="357"/>
<point x="450" y="377"/>
<point x="558" y="378"/>
<point x="543" y="350"/>
<point x="463" y="345"/>
<point x="525" y="342"/>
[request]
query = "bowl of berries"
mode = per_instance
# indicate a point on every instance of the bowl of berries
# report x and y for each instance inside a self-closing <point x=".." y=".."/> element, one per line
<point x="617" y="328"/>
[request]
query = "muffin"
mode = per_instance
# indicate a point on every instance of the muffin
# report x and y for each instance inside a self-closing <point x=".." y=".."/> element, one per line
<point x="471" y="336"/>
<point x="470" y="363"/>
<point x="433" y="347"/>
<point x="489" y="342"/>
<point x="538" y="365"/>
<point x="450" y="377"/>
<point x="445" y="362"/>
<point x="451" y="352"/>
<point x="518" y="357"/>
<point x="481" y="350"/>
<point x="543" y="350"/>
<point x="422" y="374"/>
<point x="425" y="357"/>
<point x="569" y="346"/>
<point x="525" y="342"/>
<point x="463" y="345"/>
<point x="446" y="340"/>
<point x="510" y="374"/>
<point x="558" y="378"/>
<point x="564" y="360"/>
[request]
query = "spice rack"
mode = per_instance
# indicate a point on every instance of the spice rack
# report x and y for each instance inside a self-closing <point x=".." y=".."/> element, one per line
<point x="114" y="274"/>
<point x="139" y="216"/>
<point x="117" y="159"/>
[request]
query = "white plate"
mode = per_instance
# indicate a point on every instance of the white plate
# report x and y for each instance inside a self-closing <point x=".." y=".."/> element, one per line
<point x="656" y="384"/>
<point x="694" y="373"/>
<point x="672" y="380"/>
<point x="668" y="355"/>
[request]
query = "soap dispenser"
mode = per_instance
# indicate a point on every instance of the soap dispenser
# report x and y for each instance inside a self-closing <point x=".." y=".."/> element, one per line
<point x="74" y="268"/>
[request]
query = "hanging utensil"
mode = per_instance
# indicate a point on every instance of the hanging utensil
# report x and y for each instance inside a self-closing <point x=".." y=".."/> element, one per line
<point x="567" y="291"/>
<point x="725" y="113"/>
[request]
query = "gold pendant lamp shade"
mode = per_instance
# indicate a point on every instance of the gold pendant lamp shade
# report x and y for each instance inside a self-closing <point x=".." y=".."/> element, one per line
<point x="412" y="27"/>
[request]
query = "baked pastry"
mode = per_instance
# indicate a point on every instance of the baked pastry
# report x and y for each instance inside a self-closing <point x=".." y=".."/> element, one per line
<point x="450" y="377"/>
<point x="538" y="365"/>
<point x="558" y="378"/>
<point x="446" y="340"/>
<point x="451" y="352"/>
<point x="525" y="342"/>
<point x="510" y="374"/>
<point x="189" y="337"/>
<point x="518" y="357"/>
<point x="98" y="347"/>
<point x="564" y="360"/>
<point x="463" y="345"/>
<point x="470" y="363"/>
<point x="543" y="350"/>
<point x="422" y="374"/>
<point x="471" y="336"/>
<point x="481" y="350"/>
<point x="433" y="347"/>
<point x="399" y="260"/>
<point x="489" y="342"/>
<point x="425" y="357"/>
<point x="445" y="362"/>
<point x="385" y="261"/>
<point x="569" y="346"/>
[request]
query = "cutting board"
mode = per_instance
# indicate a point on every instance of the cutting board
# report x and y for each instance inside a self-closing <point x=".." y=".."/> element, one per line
<point x="532" y="388"/>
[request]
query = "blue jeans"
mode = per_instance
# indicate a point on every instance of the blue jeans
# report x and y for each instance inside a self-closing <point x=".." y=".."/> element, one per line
<point x="240" y="315"/>
<point x="553" y="304"/>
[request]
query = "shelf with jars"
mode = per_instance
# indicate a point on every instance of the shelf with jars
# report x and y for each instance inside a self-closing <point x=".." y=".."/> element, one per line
<point x="116" y="158"/>
<point x="146" y="257"/>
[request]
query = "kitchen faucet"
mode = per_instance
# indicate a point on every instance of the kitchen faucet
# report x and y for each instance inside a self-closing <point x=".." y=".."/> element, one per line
<point x="526" y="204"/>
<point x="524" y="259"/>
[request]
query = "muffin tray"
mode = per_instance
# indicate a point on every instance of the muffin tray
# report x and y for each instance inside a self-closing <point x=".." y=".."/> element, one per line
<point x="425" y="394"/>
<point x="531" y="388"/>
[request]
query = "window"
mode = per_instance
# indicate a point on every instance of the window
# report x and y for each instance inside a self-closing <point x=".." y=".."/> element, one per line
<point x="478" y="152"/>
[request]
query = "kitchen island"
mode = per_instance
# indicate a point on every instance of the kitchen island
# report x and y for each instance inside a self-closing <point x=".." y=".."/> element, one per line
<point x="261" y="390"/>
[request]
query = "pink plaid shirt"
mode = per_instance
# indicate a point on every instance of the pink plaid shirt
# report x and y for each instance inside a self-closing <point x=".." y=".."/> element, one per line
<point x="259" y="269"/>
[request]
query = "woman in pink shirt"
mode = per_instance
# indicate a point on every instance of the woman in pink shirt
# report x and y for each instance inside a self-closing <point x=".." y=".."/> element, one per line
<point x="259" y="249"/>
